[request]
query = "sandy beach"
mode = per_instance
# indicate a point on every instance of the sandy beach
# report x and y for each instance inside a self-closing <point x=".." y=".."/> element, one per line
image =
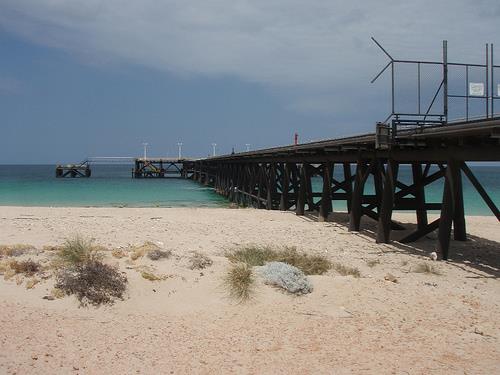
<point x="410" y="323"/>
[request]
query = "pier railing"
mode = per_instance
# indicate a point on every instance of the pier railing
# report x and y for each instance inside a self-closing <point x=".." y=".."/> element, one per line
<point x="445" y="92"/>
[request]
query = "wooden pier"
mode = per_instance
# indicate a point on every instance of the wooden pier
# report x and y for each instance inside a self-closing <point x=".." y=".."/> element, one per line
<point x="73" y="170"/>
<point x="162" y="167"/>
<point x="142" y="167"/>
<point x="281" y="178"/>
<point x="435" y="148"/>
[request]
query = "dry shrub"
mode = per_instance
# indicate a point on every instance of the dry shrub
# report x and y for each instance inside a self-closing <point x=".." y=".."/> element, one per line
<point x="344" y="270"/>
<point x="6" y="270"/>
<point x="30" y="284"/>
<point x="309" y="264"/>
<point x="4" y="266"/>
<point x="199" y="261"/>
<point x="252" y="255"/>
<point x="118" y="253"/>
<point x="25" y="267"/>
<point x="19" y="279"/>
<point x="152" y="277"/>
<point x="260" y="255"/>
<point x="57" y="293"/>
<point x="8" y="274"/>
<point x="239" y="281"/>
<point x="78" y="250"/>
<point x="92" y="282"/>
<point x="157" y="254"/>
<point x="52" y="247"/>
<point x="15" y="250"/>
<point x="425" y="267"/>
<point x="141" y="250"/>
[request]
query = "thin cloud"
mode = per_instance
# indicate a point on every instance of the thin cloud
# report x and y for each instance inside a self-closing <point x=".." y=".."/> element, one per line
<point x="295" y="45"/>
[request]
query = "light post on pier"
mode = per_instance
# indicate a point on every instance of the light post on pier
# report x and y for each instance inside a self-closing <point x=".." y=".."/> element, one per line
<point x="214" y="145"/>
<point x="145" y="149"/>
<point x="180" y="149"/>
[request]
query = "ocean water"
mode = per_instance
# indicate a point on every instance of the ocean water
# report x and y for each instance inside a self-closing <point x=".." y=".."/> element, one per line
<point x="109" y="186"/>
<point x="112" y="186"/>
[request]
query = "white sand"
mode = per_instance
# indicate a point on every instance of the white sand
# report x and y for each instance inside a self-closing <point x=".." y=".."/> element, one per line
<point x="423" y="324"/>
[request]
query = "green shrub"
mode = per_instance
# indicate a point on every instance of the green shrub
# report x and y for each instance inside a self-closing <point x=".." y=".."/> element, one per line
<point x="78" y="250"/>
<point x="239" y="281"/>
<point x="260" y="255"/>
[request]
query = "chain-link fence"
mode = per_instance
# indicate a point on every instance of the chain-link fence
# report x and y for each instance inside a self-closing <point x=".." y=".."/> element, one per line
<point x="426" y="93"/>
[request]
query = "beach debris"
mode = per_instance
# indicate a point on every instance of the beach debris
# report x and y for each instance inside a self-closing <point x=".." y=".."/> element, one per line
<point x="199" y="261"/>
<point x="239" y="281"/>
<point x="158" y="254"/>
<point x="141" y="250"/>
<point x="49" y="298"/>
<point x="285" y="276"/>
<point x="92" y="282"/>
<point x="433" y="255"/>
<point x="390" y="277"/>
<point x="425" y="267"/>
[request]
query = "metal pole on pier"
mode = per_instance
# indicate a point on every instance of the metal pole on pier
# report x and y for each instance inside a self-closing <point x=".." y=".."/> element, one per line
<point x="145" y="149"/>
<point x="180" y="149"/>
<point x="214" y="145"/>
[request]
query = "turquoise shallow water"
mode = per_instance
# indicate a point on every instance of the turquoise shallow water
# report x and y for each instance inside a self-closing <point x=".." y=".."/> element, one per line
<point x="109" y="186"/>
<point x="112" y="185"/>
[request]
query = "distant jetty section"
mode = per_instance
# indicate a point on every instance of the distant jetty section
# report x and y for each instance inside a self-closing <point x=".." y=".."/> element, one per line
<point x="163" y="167"/>
<point x="73" y="170"/>
<point x="143" y="167"/>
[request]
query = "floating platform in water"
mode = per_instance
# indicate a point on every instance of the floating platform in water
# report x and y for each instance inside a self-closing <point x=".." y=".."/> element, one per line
<point x="73" y="170"/>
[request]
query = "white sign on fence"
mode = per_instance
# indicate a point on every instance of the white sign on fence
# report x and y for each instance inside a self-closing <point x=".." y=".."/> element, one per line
<point x="476" y="89"/>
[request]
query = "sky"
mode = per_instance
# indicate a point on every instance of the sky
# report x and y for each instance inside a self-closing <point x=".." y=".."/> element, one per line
<point x="86" y="78"/>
